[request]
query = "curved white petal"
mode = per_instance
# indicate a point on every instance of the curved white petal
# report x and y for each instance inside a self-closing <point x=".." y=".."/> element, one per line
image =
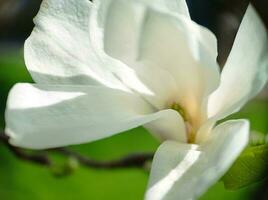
<point x="170" y="126"/>
<point x="45" y="116"/>
<point x="182" y="171"/>
<point x="138" y="34"/>
<point x="172" y="6"/>
<point x="161" y="84"/>
<point x="124" y="20"/>
<point x="187" y="51"/>
<point x="114" y="31"/>
<point x="246" y="70"/>
<point x="59" y="49"/>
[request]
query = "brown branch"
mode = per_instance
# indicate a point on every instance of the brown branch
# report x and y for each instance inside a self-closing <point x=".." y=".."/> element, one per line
<point x="137" y="160"/>
<point x="40" y="159"/>
<point x="132" y="160"/>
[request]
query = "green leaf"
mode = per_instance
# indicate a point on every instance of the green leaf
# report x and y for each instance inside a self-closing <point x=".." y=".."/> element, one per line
<point x="249" y="168"/>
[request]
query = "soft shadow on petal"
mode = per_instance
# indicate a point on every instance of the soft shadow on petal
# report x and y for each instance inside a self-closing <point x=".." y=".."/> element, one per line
<point x="187" y="51"/>
<point x="60" y="45"/>
<point x="78" y="79"/>
<point x="137" y="34"/>
<point x="170" y="126"/>
<point x="115" y="34"/>
<point x="123" y="23"/>
<point x="181" y="171"/>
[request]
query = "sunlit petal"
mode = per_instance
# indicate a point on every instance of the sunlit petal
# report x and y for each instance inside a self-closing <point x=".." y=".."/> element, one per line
<point x="45" y="116"/>
<point x="182" y="171"/>
<point x="246" y="70"/>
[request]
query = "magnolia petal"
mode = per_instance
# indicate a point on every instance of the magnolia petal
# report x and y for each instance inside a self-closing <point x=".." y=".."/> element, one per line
<point x="246" y="70"/>
<point x="46" y="116"/>
<point x="204" y="132"/>
<point x="146" y="34"/>
<point x="179" y="6"/>
<point x="172" y="6"/>
<point x="184" y="171"/>
<point x="186" y="50"/>
<point x="169" y="127"/>
<point x="59" y="49"/>
<point x="43" y="116"/>
<point x="124" y="21"/>
<point x="161" y="84"/>
<point x="122" y="29"/>
<point x="116" y="24"/>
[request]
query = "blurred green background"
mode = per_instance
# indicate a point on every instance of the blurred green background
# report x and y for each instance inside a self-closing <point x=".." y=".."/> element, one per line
<point x="21" y="180"/>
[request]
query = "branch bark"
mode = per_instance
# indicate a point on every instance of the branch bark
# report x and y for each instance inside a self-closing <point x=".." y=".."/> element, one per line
<point x="38" y="158"/>
<point x="135" y="160"/>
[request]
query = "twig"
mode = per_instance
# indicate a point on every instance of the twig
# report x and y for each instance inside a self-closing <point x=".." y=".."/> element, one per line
<point x="132" y="160"/>
<point x="137" y="160"/>
<point x="40" y="159"/>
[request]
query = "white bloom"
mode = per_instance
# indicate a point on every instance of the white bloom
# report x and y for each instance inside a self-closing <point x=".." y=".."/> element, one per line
<point x="107" y="67"/>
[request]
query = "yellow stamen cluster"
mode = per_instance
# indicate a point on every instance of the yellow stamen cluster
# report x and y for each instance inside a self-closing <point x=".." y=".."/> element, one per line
<point x="188" y="125"/>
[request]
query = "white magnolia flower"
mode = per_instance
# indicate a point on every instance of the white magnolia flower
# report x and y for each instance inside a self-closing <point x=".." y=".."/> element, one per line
<point x="114" y="65"/>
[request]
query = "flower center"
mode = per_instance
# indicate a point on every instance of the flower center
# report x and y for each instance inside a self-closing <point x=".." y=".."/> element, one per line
<point x="190" y="128"/>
